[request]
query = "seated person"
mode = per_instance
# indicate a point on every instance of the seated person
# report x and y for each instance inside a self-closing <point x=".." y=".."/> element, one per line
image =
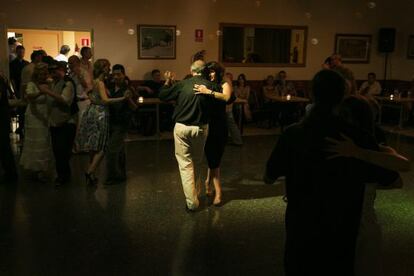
<point x="152" y="87"/>
<point x="371" y="87"/>
<point x="242" y="91"/>
<point x="283" y="86"/>
<point x="269" y="88"/>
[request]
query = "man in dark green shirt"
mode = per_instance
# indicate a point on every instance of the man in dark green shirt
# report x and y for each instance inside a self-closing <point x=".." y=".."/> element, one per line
<point x="191" y="117"/>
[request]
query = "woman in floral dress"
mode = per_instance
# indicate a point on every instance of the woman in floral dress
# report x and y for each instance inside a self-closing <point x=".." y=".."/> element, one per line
<point x="94" y="130"/>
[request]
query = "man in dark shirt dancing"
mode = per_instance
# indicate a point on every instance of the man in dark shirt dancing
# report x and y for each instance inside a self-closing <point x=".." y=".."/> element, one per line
<point x="191" y="117"/>
<point x="324" y="196"/>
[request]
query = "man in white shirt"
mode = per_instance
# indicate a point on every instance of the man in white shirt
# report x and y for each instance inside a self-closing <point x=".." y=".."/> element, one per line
<point x="371" y="87"/>
<point x="64" y="51"/>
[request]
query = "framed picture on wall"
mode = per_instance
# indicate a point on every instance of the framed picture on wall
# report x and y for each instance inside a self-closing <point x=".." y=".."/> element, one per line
<point x="156" y="41"/>
<point x="410" y="47"/>
<point x="354" y="48"/>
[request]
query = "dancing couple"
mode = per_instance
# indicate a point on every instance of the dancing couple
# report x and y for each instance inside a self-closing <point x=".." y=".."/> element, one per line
<point x="200" y="126"/>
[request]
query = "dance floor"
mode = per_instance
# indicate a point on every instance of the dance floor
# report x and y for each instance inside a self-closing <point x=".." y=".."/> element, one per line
<point x="141" y="227"/>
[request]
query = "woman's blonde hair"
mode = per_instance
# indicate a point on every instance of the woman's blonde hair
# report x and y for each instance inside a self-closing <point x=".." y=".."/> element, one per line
<point x="38" y="70"/>
<point x="99" y="67"/>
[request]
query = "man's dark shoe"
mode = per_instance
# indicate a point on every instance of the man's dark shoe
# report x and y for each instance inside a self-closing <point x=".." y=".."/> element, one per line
<point x="190" y="211"/>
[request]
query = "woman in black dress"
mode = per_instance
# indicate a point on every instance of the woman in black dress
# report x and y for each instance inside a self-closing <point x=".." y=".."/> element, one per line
<point x="217" y="133"/>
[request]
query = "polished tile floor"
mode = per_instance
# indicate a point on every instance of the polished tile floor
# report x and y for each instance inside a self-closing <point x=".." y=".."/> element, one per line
<point x="141" y="228"/>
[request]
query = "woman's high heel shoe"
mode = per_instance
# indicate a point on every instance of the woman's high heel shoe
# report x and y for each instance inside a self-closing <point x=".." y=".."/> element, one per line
<point x="209" y="191"/>
<point x="90" y="179"/>
<point x="217" y="201"/>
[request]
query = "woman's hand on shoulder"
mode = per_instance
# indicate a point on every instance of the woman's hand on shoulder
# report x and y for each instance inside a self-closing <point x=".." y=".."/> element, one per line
<point x="201" y="89"/>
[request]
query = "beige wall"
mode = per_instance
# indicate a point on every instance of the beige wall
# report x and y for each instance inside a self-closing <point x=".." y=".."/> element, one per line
<point x="110" y="24"/>
<point x="49" y="40"/>
<point x="40" y="40"/>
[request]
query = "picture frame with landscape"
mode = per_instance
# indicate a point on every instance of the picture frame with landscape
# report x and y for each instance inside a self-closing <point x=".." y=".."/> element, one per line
<point x="353" y="48"/>
<point x="156" y="41"/>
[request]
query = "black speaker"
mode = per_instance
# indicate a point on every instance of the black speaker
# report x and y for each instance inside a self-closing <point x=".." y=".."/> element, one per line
<point x="386" y="40"/>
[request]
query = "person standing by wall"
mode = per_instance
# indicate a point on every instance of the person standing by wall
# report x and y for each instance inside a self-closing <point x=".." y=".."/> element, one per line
<point x="16" y="67"/>
<point x="6" y="154"/>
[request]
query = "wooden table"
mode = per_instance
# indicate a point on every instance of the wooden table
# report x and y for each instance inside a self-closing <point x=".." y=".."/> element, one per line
<point x="287" y="100"/>
<point x="284" y="99"/>
<point x="156" y="102"/>
<point x="392" y="102"/>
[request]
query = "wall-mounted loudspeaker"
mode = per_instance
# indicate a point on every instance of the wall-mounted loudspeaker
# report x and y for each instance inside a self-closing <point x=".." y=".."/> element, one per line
<point x="386" y="40"/>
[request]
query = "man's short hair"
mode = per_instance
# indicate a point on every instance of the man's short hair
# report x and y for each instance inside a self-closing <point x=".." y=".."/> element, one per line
<point x="64" y="49"/>
<point x="35" y="54"/>
<point x="48" y="60"/>
<point x="118" y="67"/>
<point x="11" y="40"/>
<point x="19" y="47"/>
<point x="372" y="74"/>
<point x="197" y="66"/>
<point x="328" y="88"/>
<point x="155" y="71"/>
<point x="84" y="49"/>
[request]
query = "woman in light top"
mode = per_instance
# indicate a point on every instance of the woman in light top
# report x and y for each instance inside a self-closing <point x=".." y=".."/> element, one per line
<point x="37" y="151"/>
<point x="94" y="131"/>
<point x="269" y="88"/>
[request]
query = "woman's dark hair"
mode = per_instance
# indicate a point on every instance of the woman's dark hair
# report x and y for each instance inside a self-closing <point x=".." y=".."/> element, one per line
<point x="242" y="76"/>
<point x="84" y="49"/>
<point x="357" y="111"/>
<point x="328" y="89"/>
<point x="119" y="67"/>
<point x="217" y="68"/>
<point x="48" y="60"/>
